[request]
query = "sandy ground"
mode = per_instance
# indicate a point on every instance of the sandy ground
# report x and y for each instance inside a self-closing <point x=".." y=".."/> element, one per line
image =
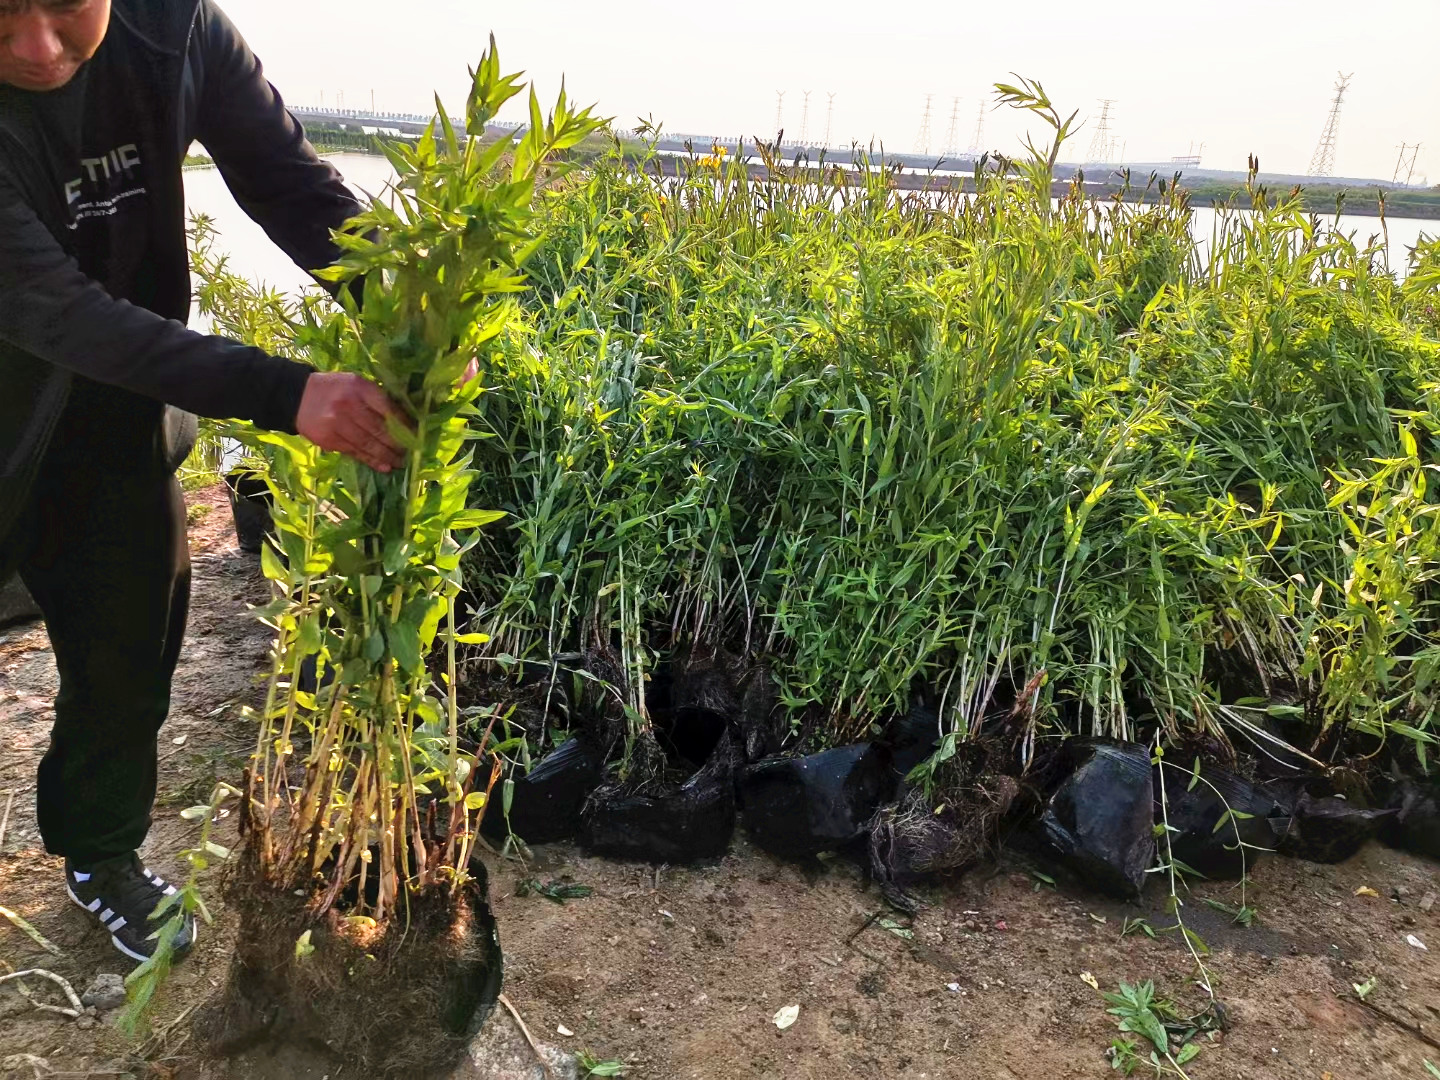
<point x="679" y="972"/>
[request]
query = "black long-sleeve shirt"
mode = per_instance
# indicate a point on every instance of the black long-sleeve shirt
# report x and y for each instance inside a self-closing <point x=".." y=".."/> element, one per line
<point x="94" y="275"/>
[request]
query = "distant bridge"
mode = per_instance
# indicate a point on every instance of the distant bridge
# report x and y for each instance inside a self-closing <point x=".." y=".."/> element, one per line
<point x="404" y="123"/>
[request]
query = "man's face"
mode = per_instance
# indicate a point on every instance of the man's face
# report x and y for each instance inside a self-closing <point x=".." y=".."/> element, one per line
<point x="44" y="42"/>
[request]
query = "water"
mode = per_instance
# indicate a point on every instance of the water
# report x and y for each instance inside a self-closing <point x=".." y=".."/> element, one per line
<point x="252" y="255"/>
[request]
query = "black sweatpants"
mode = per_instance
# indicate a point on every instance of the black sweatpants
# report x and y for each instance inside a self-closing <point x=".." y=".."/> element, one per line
<point x="101" y="546"/>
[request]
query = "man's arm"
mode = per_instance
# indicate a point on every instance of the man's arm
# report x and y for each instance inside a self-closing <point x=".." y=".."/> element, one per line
<point x="261" y="150"/>
<point x="52" y="310"/>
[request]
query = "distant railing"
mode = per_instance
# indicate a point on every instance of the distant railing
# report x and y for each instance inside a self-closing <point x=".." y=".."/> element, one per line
<point x="377" y="119"/>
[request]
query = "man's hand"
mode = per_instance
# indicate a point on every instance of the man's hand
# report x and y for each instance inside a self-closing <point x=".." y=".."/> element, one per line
<point x="345" y="412"/>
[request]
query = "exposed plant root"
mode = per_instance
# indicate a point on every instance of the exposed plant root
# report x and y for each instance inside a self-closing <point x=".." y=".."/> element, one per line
<point x="520" y="1022"/>
<point x="75" y="1010"/>
<point x="397" y="999"/>
<point x="951" y="829"/>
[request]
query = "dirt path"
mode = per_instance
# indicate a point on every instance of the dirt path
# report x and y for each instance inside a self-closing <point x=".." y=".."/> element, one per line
<point x="680" y="972"/>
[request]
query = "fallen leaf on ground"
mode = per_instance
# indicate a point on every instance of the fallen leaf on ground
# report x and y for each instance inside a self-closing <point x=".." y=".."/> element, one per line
<point x="1089" y="980"/>
<point x="787" y="1016"/>
<point x="1365" y="890"/>
<point x="563" y="1030"/>
<point x="1413" y="940"/>
<point x="897" y="929"/>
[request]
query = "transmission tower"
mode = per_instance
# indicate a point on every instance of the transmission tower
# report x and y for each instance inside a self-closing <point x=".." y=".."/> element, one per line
<point x="1103" y="143"/>
<point x="829" y="117"/>
<point x="977" y="142"/>
<point x="922" y="140"/>
<point x="952" y="137"/>
<point x="1400" y="162"/>
<point x="1323" y="163"/>
<point x="805" y="121"/>
<point x="779" y="112"/>
<point x="1406" y="165"/>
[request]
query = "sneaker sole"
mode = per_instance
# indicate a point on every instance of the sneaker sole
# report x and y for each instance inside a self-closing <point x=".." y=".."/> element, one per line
<point x="120" y="945"/>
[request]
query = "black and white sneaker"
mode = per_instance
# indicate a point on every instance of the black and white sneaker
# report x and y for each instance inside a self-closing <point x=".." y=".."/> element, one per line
<point x="121" y="894"/>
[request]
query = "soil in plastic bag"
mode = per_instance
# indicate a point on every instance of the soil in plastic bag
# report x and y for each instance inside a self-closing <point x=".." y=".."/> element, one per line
<point x="250" y="502"/>
<point x="1199" y="840"/>
<point x="913" y="738"/>
<point x="952" y="828"/>
<point x="1100" y="820"/>
<point x="796" y="807"/>
<point x="1416" y="824"/>
<point x="665" y="823"/>
<point x="403" y="1003"/>
<point x="709" y="690"/>
<point x="546" y="802"/>
<point x="1328" y="829"/>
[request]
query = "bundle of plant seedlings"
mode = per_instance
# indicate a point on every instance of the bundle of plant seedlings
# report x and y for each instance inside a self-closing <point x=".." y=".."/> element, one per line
<point x="364" y="923"/>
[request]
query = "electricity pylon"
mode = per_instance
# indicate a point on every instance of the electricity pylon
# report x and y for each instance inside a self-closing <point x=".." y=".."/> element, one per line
<point x="779" y="112"/>
<point x="922" y="140"/>
<point x="977" y="142"/>
<point x="1406" y="165"/>
<point x="1103" y="143"/>
<point x="829" y="117"/>
<point x="952" y="137"/>
<point x="1323" y="162"/>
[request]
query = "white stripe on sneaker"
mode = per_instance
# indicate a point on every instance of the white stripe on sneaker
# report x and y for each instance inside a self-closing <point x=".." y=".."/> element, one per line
<point x="127" y="951"/>
<point x="93" y="906"/>
<point x="117" y="924"/>
<point x="106" y="915"/>
<point x="81" y="877"/>
<point x="169" y="890"/>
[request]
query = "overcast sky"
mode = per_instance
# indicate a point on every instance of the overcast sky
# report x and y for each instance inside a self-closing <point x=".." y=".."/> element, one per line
<point x="1240" y="76"/>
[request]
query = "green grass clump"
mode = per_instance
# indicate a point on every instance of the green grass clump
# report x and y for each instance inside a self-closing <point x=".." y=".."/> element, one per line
<point x="968" y="443"/>
<point x="975" y="444"/>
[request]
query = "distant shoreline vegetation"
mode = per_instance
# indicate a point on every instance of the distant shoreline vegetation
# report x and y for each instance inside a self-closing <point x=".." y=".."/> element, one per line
<point x="1319" y="198"/>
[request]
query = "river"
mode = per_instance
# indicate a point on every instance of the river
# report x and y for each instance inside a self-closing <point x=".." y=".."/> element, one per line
<point x="252" y="255"/>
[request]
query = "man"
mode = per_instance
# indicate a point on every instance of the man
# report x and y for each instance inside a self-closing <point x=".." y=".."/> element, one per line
<point x="98" y="105"/>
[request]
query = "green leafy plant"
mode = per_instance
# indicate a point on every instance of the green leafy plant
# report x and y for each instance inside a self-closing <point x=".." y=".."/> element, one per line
<point x="593" y="1066"/>
<point x="186" y="902"/>
<point x="557" y="891"/>
<point x="1138" y="1010"/>
<point x="367" y="565"/>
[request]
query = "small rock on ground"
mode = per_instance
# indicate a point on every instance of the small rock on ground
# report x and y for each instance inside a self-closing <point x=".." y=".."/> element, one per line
<point x="500" y="1052"/>
<point x="105" y="992"/>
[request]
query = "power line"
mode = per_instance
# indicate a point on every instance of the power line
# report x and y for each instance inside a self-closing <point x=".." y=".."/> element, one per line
<point x="1323" y="162"/>
<point x="922" y="140"/>
<point x="1102" y="146"/>
<point x="952" y="137"/>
